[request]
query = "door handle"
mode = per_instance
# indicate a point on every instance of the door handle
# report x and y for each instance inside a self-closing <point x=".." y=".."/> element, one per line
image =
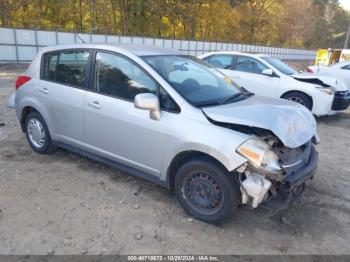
<point x="44" y="90"/>
<point x="95" y="104"/>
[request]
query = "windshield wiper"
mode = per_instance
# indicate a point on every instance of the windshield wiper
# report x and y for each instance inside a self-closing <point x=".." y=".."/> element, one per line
<point x="237" y="97"/>
<point x="207" y="103"/>
<point x="231" y="99"/>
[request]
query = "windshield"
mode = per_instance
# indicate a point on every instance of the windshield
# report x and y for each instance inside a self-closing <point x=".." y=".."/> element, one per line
<point x="279" y="65"/>
<point x="195" y="80"/>
<point x="339" y="64"/>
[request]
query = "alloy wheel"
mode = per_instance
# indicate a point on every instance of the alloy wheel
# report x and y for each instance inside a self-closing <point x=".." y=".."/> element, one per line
<point x="297" y="99"/>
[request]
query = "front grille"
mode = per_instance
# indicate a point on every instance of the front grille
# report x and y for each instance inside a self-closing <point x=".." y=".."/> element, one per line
<point x="293" y="159"/>
<point x="342" y="93"/>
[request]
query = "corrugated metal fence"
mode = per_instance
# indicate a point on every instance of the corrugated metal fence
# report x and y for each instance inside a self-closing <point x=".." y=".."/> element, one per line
<point x="21" y="45"/>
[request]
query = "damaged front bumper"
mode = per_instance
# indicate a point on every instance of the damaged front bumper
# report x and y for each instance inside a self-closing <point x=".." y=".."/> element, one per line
<point x="341" y="100"/>
<point x="293" y="186"/>
<point x="277" y="191"/>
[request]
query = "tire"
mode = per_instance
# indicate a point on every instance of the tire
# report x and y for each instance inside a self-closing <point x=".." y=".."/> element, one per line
<point x="299" y="98"/>
<point x="37" y="134"/>
<point x="206" y="190"/>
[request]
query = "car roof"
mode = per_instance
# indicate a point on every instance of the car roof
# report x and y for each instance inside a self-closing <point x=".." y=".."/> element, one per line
<point x="234" y="53"/>
<point x="138" y="50"/>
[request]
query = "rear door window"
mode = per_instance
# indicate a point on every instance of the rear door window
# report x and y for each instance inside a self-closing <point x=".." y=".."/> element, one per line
<point x="220" y="61"/>
<point x="66" y="67"/>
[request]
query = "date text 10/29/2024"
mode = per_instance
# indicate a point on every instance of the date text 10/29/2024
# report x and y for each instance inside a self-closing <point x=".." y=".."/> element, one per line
<point x="173" y="258"/>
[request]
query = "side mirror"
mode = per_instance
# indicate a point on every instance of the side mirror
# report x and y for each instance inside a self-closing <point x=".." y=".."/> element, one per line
<point x="268" y="72"/>
<point x="148" y="101"/>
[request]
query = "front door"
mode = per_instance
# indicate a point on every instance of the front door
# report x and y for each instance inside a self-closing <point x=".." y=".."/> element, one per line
<point x="247" y="72"/>
<point x="114" y="127"/>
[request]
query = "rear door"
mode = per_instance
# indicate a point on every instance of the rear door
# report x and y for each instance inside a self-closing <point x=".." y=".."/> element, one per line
<point x="62" y="90"/>
<point x="114" y="127"/>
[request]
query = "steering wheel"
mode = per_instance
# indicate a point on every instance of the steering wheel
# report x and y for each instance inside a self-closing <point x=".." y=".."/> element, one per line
<point x="190" y="85"/>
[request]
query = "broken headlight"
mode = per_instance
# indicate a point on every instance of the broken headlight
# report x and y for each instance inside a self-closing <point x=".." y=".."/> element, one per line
<point x="260" y="155"/>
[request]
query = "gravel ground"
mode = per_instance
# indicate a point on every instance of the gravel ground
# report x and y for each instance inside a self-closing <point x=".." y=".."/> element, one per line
<point x="67" y="204"/>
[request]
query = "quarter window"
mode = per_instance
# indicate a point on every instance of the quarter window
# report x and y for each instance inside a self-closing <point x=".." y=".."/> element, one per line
<point x="167" y="103"/>
<point x="249" y="65"/>
<point x="117" y="76"/>
<point x="67" y="67"/>
<point x="220" y="61"/>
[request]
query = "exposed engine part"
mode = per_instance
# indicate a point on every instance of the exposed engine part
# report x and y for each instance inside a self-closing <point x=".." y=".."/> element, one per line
<point x="278" y="175"/>
<point x="260" y="184"/>
<point x="255" y="189"/>
<point x="242" y="168"/>
<point x="290" y="159"/>
<point x="293" y="159"/>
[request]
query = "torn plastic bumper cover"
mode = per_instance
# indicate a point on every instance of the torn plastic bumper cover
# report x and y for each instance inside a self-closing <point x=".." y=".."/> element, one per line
<point x="341" y="100"/>
<point x="294" y="184"/>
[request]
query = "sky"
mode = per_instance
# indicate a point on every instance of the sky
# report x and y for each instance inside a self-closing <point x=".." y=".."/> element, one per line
<point x="345" y="4"/>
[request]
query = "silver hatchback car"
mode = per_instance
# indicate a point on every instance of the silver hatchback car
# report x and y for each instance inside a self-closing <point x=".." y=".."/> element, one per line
<point x="171" y="119"/>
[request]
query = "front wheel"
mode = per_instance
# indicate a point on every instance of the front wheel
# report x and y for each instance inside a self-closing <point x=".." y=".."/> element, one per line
<point x="299" y="98"/>
<point x="206" y="190"/>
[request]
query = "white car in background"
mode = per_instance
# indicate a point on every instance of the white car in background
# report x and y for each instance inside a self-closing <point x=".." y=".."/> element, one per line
<point x="339" y="71"/>
<point x="267" y="76"/>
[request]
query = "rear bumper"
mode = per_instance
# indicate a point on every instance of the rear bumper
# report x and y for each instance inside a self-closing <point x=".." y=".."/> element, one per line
<point x="11" y="103"/>
<point x="341" y="100"/>
<point x="294" y="185"/>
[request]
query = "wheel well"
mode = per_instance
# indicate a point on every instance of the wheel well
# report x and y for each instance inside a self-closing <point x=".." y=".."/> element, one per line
<point x="181" y="158"/>
<point x="25" y="113"/>
<point x="299" y="92"/>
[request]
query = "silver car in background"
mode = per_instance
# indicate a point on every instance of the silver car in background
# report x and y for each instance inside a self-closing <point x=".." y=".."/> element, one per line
<point x="171" y="119"/>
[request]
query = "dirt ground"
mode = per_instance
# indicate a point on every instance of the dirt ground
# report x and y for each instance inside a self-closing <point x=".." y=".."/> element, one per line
<point x="67" y="204"/>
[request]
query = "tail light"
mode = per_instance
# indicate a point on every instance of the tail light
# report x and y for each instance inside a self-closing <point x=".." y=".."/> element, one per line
<point x="21" y="80"/>
<point x="308" y="69"/>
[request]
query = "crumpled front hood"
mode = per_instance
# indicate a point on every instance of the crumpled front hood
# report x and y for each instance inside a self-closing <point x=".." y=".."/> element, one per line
<point x="293" y="124"/>
<point x="336" y="84"/>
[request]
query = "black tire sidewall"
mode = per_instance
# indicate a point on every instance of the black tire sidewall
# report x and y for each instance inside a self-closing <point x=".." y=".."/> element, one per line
<point x="47" y="148"/>
<point x="230" y="189"/>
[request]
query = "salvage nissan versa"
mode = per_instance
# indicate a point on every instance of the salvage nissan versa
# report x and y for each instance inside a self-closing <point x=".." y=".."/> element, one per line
<point x="171" y="119"/>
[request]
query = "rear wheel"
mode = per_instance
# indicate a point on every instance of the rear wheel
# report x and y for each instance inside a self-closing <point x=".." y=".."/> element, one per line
<point x="38" y="134"/>
<point x="299" y="98"/>
<point x="206" y="190"/>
